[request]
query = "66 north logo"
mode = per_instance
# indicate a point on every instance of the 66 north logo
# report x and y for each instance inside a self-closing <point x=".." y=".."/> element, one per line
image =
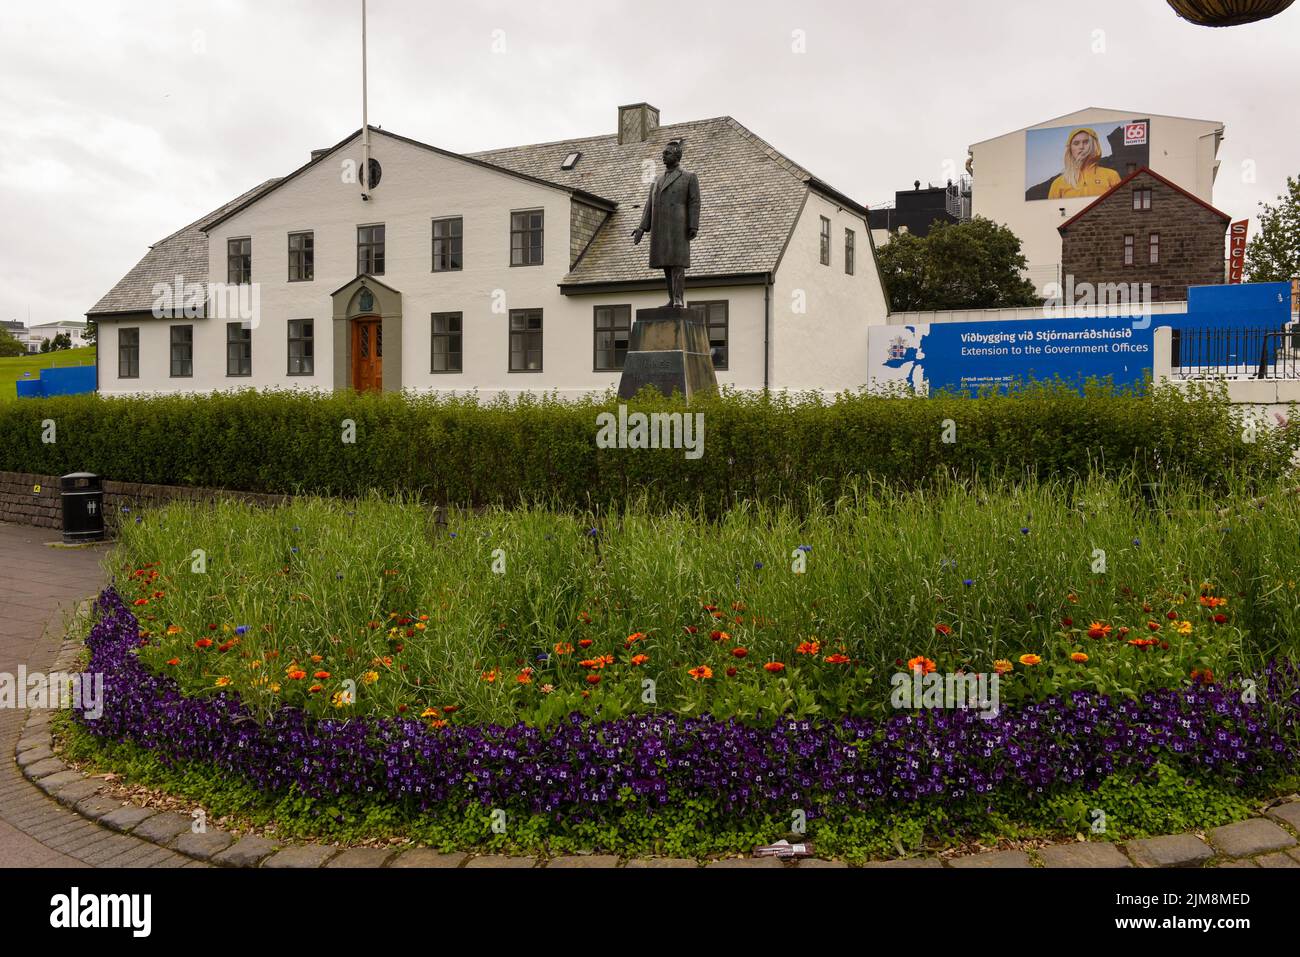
<point x="1135" y="134"/>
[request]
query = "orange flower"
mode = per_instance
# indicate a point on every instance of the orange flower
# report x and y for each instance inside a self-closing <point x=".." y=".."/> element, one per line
<point x="316" y="659"/>
<point x="1030" y="660"/>
<point x="203" y="643"/>
<point x="703" y="671"/>
<point x="321" y="675"/>
<point x="450" y="709"/>
<point x="838" y="659"/>
<point x="438" y="724"/>
<point x="295" y="674"/>
<point x="920" y="661"/>
<point x="640" y="659"/>
<point x="809" y="647"/>
<point x="316" y="688"/>
<point x="774" y="667"/>
<point x="173" y="661"/>
<point x="563" y="648"/>
<point x="1078" y="657"/>
<point x="1098" y="630"/>
<point x="633" y="638"/>
<point x="584" y="617"/>
<point x="585" y="643"/>
<point x="1002" y="666"/>
<point x="593" y="679"/>
<point x="489" y="676"/>
<point x="223" y="681"/>
<point x="739" y="652"/>
<point x="140" y="601"/>
<point x="1153" y="625"/>
<point x="943" y="629"/>
<point x="174" y="629"/>
<point x="525" y="677"/>
<point x="1202" y="676"/>
<point x="719" y="636"/>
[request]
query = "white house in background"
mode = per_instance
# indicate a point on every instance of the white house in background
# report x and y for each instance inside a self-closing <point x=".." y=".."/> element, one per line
<point x="48" y="330"/>
<point x="505" y="271"/>
<point x="1014" y="174"/>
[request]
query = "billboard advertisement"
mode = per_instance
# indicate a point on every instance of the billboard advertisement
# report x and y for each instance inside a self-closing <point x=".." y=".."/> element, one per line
<point x="1063" y="162"/>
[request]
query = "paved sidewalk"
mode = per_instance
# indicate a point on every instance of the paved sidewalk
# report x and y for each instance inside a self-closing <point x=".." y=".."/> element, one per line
<point x="40" y="588"/>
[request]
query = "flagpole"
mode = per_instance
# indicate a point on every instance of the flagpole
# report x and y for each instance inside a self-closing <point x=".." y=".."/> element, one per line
<point x="365" y="115"/>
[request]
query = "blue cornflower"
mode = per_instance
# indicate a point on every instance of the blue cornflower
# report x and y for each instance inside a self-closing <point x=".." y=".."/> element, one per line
<point x="242" y="629"/>
<point x="1137" y="541"/>
<point x="1024" y="531"/>
<point x="968" y="582"/>
<point x="758" y="566"/>
<point x="805" y="548"/>
<point x="294" y="549"/>
<point x="593" y="532"/>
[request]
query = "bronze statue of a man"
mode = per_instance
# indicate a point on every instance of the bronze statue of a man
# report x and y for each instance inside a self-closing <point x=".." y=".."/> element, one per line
<point x="672" y="218"/>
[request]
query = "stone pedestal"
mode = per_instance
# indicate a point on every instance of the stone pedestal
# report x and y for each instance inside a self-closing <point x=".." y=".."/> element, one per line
<point x="669" y="350"/>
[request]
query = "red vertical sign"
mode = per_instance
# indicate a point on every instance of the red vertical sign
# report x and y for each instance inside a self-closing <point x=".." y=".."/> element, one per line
<point x="1236" y="249"/>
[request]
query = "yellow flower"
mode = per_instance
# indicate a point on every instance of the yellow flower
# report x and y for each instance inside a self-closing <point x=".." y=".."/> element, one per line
<point x="275" y="687"/>
<point x="1078" y="657"/>
<point x="1184" y="627"/>
<point x="223" y="681"/>
<point x="342" y="699"/>
<point x="254" y="665"/>
<point x="429" y="713"/>
<point x="1002" y="666"/>
<point x="1030" y="660"/>
<point x="370" y="677"/>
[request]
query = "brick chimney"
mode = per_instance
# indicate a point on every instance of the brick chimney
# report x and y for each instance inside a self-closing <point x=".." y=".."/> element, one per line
<point x="636" y="122"/>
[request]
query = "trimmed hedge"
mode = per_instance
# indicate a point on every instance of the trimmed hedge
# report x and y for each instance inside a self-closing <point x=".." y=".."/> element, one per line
<point x="464" y="452"/>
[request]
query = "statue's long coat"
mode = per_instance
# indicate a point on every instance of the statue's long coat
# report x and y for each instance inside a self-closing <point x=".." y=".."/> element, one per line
<point x="672" y="209"/>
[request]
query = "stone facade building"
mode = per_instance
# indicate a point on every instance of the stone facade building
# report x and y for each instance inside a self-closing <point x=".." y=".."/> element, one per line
<point x="1146" y="229"/>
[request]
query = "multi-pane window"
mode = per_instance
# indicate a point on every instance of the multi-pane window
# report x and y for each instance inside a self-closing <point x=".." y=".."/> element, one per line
<point x="182" y="351"/>
<point x="370" y="250"/>
<point x="850" y="248"/>
<point x="447" y="236"/>
<point x="1128" y="250"/>
<point x="526" y="238"/>
<point x="525" y="340"/>
<point x="128" y="353"/>
<point x="446" y="340"/>
<point x="302" y="257"/>
<point x="1153" y="247"/>
<point x="826" y="242"/>
<point x="239" y="349"/>
<point x="613" y="324"/>
<point x="714" y="316"/>
<point x="1142" y="199"/>
<point x="302" y="352"/>
<point x="239" y="261"/>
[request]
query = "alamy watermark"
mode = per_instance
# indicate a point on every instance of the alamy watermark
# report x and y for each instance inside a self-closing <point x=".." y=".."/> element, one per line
<point x="920" y="688"/>
<point x="658" y="430"/>
<point x="233" y="302"/>
<point x="80" y="691"/>
<point x="1113" y="299"/>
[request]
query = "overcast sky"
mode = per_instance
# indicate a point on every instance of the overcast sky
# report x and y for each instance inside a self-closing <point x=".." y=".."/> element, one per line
<point x="123" y="120"/>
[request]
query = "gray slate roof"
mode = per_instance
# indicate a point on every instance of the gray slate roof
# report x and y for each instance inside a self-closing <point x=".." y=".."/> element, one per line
<point x="750" y="196"/>
<point x="183" y="253"/>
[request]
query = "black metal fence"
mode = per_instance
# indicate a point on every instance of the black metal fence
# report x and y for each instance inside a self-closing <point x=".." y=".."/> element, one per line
<point x="1236" y="353"/>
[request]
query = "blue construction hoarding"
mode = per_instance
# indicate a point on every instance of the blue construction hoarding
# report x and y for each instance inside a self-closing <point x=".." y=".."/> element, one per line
<point x="974" y="356"/>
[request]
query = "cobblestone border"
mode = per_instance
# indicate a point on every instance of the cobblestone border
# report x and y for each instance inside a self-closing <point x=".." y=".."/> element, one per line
<point x="1268" y="840"/>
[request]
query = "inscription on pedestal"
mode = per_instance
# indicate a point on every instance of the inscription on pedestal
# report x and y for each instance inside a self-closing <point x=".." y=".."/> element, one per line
<point x="669" y="350"/>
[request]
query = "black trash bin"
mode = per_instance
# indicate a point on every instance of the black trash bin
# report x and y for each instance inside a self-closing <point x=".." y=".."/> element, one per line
<point x="83" y="508"/>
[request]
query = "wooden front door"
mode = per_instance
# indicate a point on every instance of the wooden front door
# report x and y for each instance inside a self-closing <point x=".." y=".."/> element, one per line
<point x="367" y="355"/>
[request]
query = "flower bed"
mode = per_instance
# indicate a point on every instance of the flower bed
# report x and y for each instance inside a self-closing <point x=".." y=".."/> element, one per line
<point x="579" y="769"/>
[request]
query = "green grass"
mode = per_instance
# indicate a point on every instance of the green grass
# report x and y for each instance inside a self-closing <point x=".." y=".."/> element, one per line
<point x="13" y="367"/>
<point x="339" y="588"/>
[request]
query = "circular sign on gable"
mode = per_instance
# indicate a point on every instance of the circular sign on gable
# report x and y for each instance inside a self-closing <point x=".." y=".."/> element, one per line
<point x="375" y="174"/>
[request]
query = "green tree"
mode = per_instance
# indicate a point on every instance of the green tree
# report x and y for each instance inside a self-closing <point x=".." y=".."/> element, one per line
<point x="1274" y="254"/>
<point x="92" y="331"/>
<point x="45" y="345"/>
<point x="9" y="346"/>
<point x="972" y="265"/>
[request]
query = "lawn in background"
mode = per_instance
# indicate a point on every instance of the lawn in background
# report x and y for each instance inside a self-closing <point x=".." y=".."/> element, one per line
<point x="13" y="367"/>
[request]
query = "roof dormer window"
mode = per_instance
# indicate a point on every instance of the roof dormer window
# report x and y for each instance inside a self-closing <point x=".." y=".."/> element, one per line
<point x="571" y="160"/>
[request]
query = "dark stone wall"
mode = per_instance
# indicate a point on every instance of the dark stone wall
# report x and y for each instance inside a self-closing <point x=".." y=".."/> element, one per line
<point x="21" y="503"/>
<point x="1191" y="241"/>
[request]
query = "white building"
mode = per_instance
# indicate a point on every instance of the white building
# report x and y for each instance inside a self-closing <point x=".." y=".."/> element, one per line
<point x="48" y="330"/>
<point x="507" y="271"/>
<point x="1015" y="174"/>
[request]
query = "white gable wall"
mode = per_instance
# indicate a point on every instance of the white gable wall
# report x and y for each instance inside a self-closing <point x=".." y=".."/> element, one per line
<point x="824" y="347"/>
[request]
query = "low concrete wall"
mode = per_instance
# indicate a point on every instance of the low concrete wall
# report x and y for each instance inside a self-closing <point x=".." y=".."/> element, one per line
<point x="1268" y="398"/>
<point x="29" y="499"/>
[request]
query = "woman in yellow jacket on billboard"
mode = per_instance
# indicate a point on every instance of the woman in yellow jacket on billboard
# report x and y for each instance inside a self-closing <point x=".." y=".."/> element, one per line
<point x="1081" y="174"/>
